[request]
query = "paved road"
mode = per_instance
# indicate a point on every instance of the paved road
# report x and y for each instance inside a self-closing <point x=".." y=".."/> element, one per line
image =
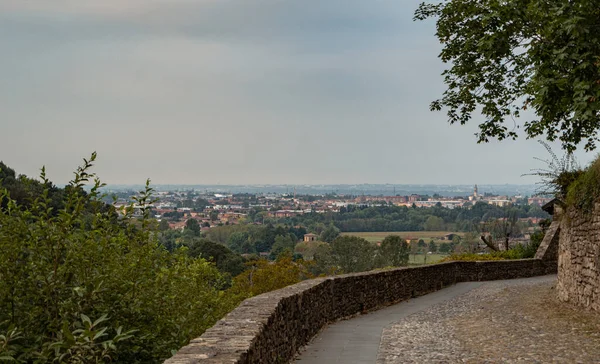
<point x="356" y="341"/>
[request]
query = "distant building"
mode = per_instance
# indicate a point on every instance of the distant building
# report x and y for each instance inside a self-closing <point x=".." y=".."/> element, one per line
<point x="475" y="196"/>
<point x="540" y="201"/>
<point x="450" y="237"/>
<point x="310" y="237"/>
<point x="498" y="202"/>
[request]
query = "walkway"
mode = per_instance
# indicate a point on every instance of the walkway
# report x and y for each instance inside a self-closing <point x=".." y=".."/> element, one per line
<point x="357" y="340"/>
<point x="513" y="321"/>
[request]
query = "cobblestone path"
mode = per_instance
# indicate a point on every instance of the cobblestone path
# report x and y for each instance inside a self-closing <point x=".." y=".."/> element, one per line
<point x="513" y="321"/>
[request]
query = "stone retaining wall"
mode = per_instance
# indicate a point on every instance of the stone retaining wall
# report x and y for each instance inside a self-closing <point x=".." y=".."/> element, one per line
<point x="271" y="327"/>
<point x="579" y="258"/>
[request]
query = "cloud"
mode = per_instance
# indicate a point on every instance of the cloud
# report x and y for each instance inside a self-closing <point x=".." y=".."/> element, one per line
<point x="233" y="91"/>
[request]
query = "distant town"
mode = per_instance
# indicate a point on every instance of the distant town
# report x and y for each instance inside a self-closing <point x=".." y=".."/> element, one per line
<point x="217" y="209"/>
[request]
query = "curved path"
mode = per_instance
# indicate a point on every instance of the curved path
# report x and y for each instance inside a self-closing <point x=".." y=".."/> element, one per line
<point x="357" y="340"/>
<point x="510" y="321"/>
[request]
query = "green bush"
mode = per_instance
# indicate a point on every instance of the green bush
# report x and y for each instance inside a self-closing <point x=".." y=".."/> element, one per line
<point x="517" y="252"/>
<point x="82" y="285"/>
<point x="585" y="190"/>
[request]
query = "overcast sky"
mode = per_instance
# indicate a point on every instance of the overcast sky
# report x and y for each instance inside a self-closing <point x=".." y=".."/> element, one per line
<point x="236" y="92"/>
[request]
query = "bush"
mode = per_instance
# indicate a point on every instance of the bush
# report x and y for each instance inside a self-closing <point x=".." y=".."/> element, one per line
<point x="585" y="190"/>
<point x="517" y="252"/>
<point x="265" y="276"/>
<point x="81" y="285"/>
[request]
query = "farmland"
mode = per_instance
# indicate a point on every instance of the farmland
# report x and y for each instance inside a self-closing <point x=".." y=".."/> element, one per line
<point x="378" y="236"/>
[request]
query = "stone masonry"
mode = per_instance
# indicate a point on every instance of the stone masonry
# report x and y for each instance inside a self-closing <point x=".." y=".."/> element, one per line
<point x="579" y="258"/>
<point x="270" y="328"/>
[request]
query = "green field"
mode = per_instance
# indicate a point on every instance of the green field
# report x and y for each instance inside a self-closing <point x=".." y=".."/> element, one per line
<point x="420" y="258"/>
<point x="378" y="236"/>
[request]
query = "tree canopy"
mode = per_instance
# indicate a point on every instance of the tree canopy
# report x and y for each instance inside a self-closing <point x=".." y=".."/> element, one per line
<point x="510" y="56"/>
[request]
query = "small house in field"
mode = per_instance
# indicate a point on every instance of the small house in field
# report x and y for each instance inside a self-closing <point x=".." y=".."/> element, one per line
<point x="450" y="237"/>
<point x="310" y="237"/>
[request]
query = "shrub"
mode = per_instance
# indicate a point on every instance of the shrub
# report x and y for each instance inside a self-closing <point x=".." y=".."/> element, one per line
<point x="265" y="276"/>
<point x="517" y="252"/>
<point x="82" y="285"/>
<point x="585" y="190"/>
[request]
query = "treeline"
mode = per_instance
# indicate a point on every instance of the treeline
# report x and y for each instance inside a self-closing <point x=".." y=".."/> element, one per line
<point x="402" y="218"/>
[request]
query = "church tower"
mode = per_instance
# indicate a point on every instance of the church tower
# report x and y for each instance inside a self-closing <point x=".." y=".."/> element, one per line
<point x="475" y="192"/>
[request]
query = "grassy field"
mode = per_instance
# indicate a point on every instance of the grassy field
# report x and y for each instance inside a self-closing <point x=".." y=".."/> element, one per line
<point x="377" y="236"/>
<point x="420" y="258"/>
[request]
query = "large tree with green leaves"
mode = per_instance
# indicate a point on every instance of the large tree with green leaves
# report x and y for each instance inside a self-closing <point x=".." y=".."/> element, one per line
<point x="393" y="251"/>
<point x="353" y="254"/>
<point x="510" y="56"/>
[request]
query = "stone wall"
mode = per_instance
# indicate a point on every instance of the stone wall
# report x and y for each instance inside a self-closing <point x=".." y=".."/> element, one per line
<point x="271" y="327"/>
<point x="579" y="258"/>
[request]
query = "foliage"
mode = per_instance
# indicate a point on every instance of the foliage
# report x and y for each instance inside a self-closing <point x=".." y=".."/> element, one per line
<point x="193" y="227"/>
<point x="78" y="284"/>
<point x="509" y="56"/>
<point x="434" y="223"/>
<point x="330" y="234"/>
<point x="264" y="276"/>
<point x="308" y="249"/>
<point x="472" y="257"/>
<point x="559" y="174"/>
<point x="393" y="252"/>
<point x="283" y="244"/>
<point x="401" y="218"/>
<point x="432" y="247"/>
<point x="225" y="260"/>
<point x="24" y="190"/>
<point x="353" y="254"/>
<point x="585" y="190"/>
<point x="518" y="252"/>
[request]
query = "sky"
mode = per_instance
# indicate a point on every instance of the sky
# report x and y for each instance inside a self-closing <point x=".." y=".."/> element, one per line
<point x="237" y="92"/>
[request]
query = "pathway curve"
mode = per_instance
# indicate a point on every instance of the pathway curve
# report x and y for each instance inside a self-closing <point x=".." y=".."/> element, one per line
<point x="357" y="340"/>
<point x="512" y="321"/>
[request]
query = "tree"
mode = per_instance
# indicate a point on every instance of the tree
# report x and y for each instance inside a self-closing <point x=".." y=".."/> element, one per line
<point x="501" y="230"/>
<point x="330" y="234"/>
<point x="394" y="251"/>
<point x="225" y="260"/>
<point x="432" y="246"/>
<point x="353" y="254"/>
<point x="470" y="243"/>
<point x="193" y="226"/>
<point x="283" y="244"/>
<point x="308" y="249"/>
<point x="236" y="240"/>
<point x="434" y="223"/>
<point x="510" y="56"/>
<point x="264" y="276"/>
<point x="324" y="261"/>
<point x="445" y="248"/>
<point x="201" y="203"/>
<point x="163" y="225"/>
